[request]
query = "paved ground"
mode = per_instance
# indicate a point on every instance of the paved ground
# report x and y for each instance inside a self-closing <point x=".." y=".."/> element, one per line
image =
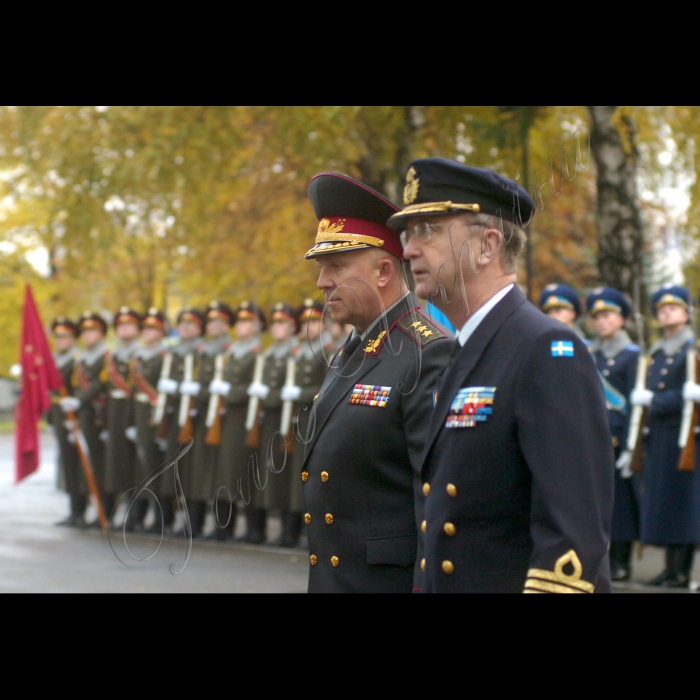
<point x="38" y="557"/>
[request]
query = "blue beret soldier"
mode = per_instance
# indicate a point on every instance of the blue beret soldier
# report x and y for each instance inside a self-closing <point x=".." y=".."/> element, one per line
<point x="518" y="465"/>
<point x="616" y="358"/>
<point x="671" y="498"/>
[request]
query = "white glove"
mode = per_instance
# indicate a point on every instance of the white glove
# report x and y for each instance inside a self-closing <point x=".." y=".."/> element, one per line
<point x="104" y="435"/>
<point x="162" y="444"/>
<point x="167" y="386"/>
<point x="641" y="397"/>
<point x="691" y="392"/>
<point x="130" y="433"/>
<point x="190" y="388"/>
<point x="69" y="403"/>
<point x="624" y="463"/>
<point x="291" y="393"/>
<point x="259" y="390"/>
<point x="218" y="387"/>
<point x="71" y="438"/>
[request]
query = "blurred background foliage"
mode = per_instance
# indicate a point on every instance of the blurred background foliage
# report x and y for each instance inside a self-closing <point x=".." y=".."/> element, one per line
<point x="165" y="206"/>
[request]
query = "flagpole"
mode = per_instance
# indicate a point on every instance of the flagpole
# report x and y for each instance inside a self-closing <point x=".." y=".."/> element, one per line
<point x="85" y="462"/>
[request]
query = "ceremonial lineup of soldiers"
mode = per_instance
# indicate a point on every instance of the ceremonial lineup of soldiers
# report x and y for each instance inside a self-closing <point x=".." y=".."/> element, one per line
<point x="509" y="455"/>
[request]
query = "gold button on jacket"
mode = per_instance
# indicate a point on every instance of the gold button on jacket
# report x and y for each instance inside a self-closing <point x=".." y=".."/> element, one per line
<point x="305" y="476"/>
<point x="324" y="477"/>
<point x="313" y="559"/>
<point x="307" y="518"/>
<point x="452" y="490"/>
<point x="449" y="529"/>
<point x="335" y="561"/>
<point x="447" y="566"/>
<point x="426" y="489"/>
<point x="329" y="518"/>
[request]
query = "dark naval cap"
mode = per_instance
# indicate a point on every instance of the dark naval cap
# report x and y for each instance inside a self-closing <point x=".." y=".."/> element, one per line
<point x="351" y="216"/>
<point x="608" y="299"/>
<point x="436" y="186"/>
<point x="559" y="296"/>
<point x="670" y="294"/>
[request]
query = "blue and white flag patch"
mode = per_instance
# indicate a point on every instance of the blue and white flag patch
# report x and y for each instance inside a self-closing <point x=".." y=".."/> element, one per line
<point x="562" y="348"/>
<point x="472" y="405"/>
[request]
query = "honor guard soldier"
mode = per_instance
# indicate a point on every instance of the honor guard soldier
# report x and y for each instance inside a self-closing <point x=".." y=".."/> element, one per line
<point x="616" y="357"/>
<point x="561" y="302"/>
<point x="671" y="497"/>
<point x="518" y="471"/>
<point x="275" y="447"/>
<point x="146" y="368"/>
<point x="89" y="397"/>
<point x="199" y="484"/>
<point x="369" y="421"/>
<point x="120" y="456"/>
<point x="65" y="335"/>
<point x="172" y="413"/>
<point x="312" y="362"/>
<point x="236" y="449"/>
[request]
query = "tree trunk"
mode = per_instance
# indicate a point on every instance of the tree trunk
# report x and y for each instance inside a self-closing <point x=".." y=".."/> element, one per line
<point x="620" y="235"/>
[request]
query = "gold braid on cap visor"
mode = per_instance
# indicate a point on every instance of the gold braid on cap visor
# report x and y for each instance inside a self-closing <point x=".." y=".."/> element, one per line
<point x="429" y="207"/>
<point x="345" y="240"/>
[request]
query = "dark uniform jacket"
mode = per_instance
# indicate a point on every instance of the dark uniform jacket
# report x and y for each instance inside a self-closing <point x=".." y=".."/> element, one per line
<point x="146" y="368"/>
<point x="73" y="481"/>
<point x="616" y="361"/>
<point x="120" y="459"/>
<point x="90" y="385"/>
<point x="518" y="473"/>
<point x="365" y="440"/>
<point x="234" y="454"/>
<point x="671" y="498"/>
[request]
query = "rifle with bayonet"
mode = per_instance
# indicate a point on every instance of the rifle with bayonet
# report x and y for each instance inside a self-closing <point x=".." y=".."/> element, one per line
<point x="184" y="419"/>
<point x="634" y="460"/>
<point x="691" y="411"/>
<point x="252" y="421"/>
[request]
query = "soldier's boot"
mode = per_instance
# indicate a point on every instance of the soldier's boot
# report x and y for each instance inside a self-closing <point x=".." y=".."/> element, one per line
<point x="221" y="533"/>
<point x="679" y="561"/>
<point x="108" y="502"/>
<point x="257" y="522"/>
<point x="198" y="511"/>
<point x="620" y="561"/>
<point x="77" y="511"/>
<point x="137" y="515"/>
<point x="291" y="529"/>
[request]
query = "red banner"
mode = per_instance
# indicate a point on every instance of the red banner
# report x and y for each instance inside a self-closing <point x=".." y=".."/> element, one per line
<point x="39" y="377"/>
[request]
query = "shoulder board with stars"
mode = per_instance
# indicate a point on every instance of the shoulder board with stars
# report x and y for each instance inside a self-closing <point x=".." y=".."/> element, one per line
<point x="420" y="328"/>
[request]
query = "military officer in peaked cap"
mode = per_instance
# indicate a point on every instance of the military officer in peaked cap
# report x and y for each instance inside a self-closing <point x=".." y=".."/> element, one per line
<point x="236" y="449"/>
<point x="120" y="451"/>
<point x="146" y="369"/>
<point x="198" y="478"/>
<point x="369" y="420"/>
<point x="616" y="357"/>
<point x="65" y="336"/>
<point x="89" y="397"/>
<point x="671" y="498"/>
<point x="561" y="302"/>
<point x="174" y="422"/>
<point x="518" y="468"/>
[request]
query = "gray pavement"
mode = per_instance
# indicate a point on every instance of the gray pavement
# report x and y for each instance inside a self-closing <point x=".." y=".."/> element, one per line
<point x="36" y="556"/>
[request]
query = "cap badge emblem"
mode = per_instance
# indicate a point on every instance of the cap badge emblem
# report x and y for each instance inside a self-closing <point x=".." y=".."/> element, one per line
<point x="410" y="192"/>
<point x="325" y="226"/>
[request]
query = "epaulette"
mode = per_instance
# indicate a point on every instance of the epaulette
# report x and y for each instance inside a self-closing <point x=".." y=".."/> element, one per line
<point x="420" y="328"/>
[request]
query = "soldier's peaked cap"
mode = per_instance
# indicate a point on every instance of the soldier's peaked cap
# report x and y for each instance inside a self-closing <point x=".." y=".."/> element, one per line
<point x="351" y="216"/>
<point x="608" y="299"/>
<point x="670" y="294"/>
<point x="438" y="186"/>
<point x="64" y="325"/>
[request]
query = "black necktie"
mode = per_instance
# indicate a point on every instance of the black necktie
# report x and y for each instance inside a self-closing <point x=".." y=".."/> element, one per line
<point x="349" y="348"/>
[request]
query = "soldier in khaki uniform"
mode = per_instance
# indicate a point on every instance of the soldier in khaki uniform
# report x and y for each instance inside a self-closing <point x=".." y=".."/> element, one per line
<point x="65" y="335"/>
<point x="146" y="369"/>
<point x="89" y="399"/>
<point x="199" y="483"/>
<point x="312" y="360"/>
<point x="175" y="423"/>
<point x="120" y="458"/>
<point x="274" y="448"/>
<point x="235" y="451"/>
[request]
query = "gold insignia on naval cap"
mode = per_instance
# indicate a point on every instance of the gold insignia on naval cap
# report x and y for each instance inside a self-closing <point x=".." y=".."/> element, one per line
<point x="410" y="192"/>
<point x="325" y="226"/>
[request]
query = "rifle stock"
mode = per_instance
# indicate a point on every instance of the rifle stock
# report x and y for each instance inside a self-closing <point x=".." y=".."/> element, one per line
<point x="214" y="432"/>
<point x="637" y="464"/>
<point x="252" y="438"/>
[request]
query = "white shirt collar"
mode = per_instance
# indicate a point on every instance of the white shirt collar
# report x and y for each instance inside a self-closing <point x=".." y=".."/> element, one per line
<point x="478" y="316"/>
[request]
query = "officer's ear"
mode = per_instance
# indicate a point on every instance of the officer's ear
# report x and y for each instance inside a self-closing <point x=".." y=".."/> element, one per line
<point x="386" y="268"/>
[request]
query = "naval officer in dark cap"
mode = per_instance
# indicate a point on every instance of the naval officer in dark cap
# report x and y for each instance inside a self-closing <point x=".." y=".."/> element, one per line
<point x="518" y="467"/>
<point x="360" y="474"/>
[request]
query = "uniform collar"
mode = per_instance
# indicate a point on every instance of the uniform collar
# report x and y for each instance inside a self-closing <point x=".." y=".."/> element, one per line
<point x="478" y="316"/>
<point x="672" y="346"/>
<point x="613" y="347"/>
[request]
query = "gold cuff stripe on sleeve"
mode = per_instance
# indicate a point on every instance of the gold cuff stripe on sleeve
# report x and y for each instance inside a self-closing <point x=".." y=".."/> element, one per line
<point x="350" y="238"/>
<point x="546" y="587"/>
<point x="427" y="207"/>
<point x="559" y="577"/>
<point x="551" y="576"/>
